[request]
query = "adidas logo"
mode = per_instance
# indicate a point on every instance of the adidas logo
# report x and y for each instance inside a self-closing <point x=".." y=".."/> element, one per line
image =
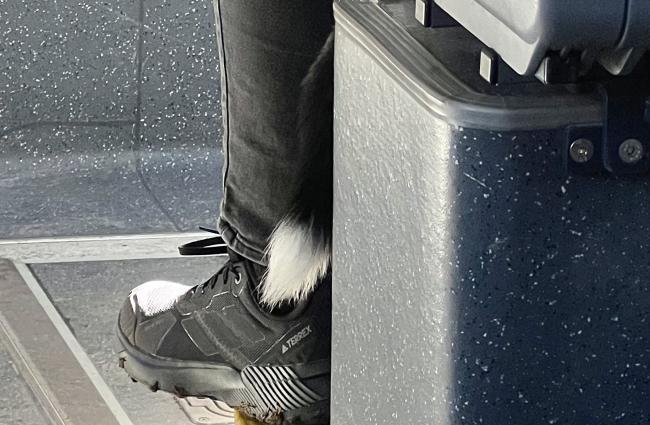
<point x="295" y="340"/>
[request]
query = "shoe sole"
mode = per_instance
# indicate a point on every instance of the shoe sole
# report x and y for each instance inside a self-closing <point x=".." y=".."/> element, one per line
<point x="272" y="394"/>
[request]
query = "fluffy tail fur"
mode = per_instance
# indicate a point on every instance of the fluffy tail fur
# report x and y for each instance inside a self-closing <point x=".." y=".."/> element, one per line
<point x="299" y="250"/>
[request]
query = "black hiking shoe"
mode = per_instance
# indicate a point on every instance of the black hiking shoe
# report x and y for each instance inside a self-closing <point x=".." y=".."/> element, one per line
<point x="215" y="340"/>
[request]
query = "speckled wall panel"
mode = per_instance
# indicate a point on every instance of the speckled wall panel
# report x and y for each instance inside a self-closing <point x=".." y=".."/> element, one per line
<point x="62" y="181"/>
<point x="65" y="61"/>
<point x="93" y="84"/>
<point x="180" y="136"/>
<point x="475" y="280"/>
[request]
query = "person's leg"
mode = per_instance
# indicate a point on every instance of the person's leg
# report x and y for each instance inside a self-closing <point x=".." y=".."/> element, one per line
<point x="216" y="339"/>
<point x="266" y="49"/>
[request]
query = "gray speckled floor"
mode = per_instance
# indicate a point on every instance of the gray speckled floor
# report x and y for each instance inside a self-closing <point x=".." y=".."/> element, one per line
<point x="110" y="117"/>
<point x="89" y="295"/>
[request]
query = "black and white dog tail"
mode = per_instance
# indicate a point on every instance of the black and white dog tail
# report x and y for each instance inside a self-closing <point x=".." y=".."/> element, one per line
<point x="299" y="250"/>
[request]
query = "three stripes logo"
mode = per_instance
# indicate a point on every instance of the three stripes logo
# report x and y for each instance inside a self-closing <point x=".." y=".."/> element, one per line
<point x="278" y="387"/>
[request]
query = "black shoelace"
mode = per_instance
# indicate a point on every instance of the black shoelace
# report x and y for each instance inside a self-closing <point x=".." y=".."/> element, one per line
<point x="210" y="246"/>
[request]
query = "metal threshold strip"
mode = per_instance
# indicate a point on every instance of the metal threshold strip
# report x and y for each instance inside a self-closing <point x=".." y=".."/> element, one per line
<point x="95" y="248"/>
<point x="63" y="380"/>
<point x="58" y="371"/>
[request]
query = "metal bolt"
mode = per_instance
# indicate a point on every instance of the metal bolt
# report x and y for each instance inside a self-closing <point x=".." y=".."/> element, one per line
<point x="489" y="66"/>
<point x="581" y="150"/>
<point x="423" y="12"/>
<point x="630" y="151"/>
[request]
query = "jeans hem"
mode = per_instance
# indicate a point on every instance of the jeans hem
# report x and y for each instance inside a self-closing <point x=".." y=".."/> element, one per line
<point x="237" y="243"/>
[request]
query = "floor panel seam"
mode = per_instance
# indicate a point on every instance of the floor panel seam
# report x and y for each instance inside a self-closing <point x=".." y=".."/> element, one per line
<point x="95" y="248"/>
<point x="73" y="344"/>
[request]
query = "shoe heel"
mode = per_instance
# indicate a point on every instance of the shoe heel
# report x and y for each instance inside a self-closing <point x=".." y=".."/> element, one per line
<point x="279" y="389"/>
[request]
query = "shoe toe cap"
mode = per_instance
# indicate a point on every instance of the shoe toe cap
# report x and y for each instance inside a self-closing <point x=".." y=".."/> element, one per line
<point x="147" y="333"/>
<point x="144" y="303"/>
<point x="127" y="321"/>
<point x="156" y="296"/>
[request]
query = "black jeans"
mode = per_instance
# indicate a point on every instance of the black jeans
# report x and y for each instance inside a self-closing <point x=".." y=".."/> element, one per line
<point x="266" y="48"/>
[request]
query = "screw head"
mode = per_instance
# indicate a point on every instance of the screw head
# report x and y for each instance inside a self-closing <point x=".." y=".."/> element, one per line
<point x="630" y="151"/>
<point x="581" y="150"/>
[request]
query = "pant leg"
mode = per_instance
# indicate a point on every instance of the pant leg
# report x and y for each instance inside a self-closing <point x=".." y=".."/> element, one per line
<point x="266" y="48"/>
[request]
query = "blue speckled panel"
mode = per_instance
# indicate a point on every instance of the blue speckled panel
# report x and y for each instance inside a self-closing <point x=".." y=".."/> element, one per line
<point x="475" y="281"/>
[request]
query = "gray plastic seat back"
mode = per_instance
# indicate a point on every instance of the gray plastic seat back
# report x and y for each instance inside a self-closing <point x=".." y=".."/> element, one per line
<point x="523" y="31"/>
